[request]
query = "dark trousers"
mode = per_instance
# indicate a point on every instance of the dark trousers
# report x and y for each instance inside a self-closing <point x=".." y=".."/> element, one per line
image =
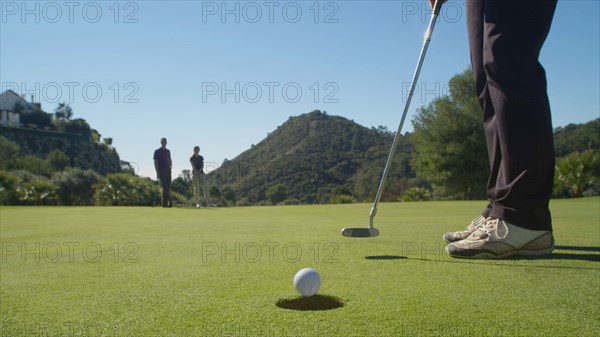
<point x="505" y="38"/>
<point x="165" y="182"/>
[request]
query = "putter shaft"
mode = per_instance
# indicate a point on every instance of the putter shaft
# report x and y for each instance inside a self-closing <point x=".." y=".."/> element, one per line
<point x="428" y="34"/>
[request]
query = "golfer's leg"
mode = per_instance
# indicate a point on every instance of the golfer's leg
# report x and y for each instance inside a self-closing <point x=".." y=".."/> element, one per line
<point x="514" y="32"/>
<point x="205" y="188"/>
<point x="196" y="182"/>
<point x="163" y="184"/>
<point x="168" y="188"/>
<point x="475" y="18"/>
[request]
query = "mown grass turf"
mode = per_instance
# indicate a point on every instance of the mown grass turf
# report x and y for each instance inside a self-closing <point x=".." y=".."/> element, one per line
<point x="223" y="271"/>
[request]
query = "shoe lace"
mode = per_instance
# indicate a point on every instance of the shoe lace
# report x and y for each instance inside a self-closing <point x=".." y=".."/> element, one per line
<point x="480" y="221"/>
<point x="476" y="223"/>
<point x="493" y="224"/>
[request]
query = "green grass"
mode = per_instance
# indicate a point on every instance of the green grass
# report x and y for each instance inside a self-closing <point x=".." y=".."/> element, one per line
<point x="229" y="271"/>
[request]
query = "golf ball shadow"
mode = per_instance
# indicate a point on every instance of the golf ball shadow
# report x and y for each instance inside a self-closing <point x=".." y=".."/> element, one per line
<point x="385" y="257"/>
<point x="312" y="303"/>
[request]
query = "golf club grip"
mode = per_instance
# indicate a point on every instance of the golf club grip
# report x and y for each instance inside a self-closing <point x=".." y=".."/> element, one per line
<point x="437" y="7"/>
<point x="429" y="32"/>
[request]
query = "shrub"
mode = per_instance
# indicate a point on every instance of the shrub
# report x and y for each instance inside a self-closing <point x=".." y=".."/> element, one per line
<point x="38" y="193"/>
<point x="178" y="199"/>
<point x="277" y="193"/>
<point x="24" y="176"/>
<point x="33" y="164"/>
<point x="8" y="188"/>
<point x="416" y="194"/>
<point x="343" y="199"/>
<point x="124" y="189"/>
<point x="291" y="201"/>
<point x="243" y="202"/>
<point x="76" y="186"/>
<point x="228" y="194"/>
<point x="577" y="174"/>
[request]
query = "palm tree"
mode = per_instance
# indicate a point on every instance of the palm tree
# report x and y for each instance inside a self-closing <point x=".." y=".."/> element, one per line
<point x="578" y="172"/>
<point x="63" y="111"/>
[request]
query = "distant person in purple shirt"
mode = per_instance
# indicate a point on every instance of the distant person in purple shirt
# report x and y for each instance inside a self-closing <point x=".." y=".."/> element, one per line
<point x="163" y="165"/>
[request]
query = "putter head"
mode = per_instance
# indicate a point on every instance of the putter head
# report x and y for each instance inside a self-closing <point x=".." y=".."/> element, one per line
<point x="360" y="232"/>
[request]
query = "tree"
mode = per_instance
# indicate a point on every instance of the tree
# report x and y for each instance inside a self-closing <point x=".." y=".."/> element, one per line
<point x="8" y="152"/>
<point x="108" y="141"/>
<point x="186" y="175"/>
<point x="58" y="160"/>
<point x="450" y="150"/>
<point x="63" y="112"/>
<point x="229" y="194"/>
<point x="214" y="192"/>
<point x="8" y="185"/>
<point x="182" y="186"/>
<point x="577" y="137"/>
<point x="95" y="136"/>
<point x="382" y="129"/>
<point x="78" y="125"/>
<point x="127" y="167"/>
<point x="37" y="117"/>
<point x="277" y="193"/>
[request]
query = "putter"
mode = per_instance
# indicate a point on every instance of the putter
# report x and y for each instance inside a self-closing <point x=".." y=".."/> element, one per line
<point x="371" y="231"/>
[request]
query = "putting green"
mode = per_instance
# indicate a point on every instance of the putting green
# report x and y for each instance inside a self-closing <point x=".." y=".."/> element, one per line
<point x="131" y="271"/>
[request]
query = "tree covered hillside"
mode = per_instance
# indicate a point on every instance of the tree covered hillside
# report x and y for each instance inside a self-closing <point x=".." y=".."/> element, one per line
<point x="312" y="158"/>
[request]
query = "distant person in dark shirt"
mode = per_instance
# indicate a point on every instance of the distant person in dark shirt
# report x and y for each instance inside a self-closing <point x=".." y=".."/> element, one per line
<point x="163" y="165"/>
<point x="198" y="177"/>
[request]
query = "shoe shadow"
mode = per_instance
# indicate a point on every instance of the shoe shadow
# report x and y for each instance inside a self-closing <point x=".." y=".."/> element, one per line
<point x="579" y="248"/>
<point x="516" y="259"/>
<point x="574" y="253"/>
<point x="564" y="256"/>
<point x="313" y="303"/>
<point x="573" y="256"/>
<point x="385" y="257"/>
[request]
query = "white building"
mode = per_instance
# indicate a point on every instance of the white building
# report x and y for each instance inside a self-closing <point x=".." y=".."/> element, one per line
<point x="11" y="107"/>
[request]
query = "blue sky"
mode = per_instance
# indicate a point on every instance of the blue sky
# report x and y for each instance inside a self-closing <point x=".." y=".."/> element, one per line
<point x="223" y="74"/>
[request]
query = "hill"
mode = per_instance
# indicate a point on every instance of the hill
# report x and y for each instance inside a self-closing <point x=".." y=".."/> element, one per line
<point x="82" y="151"/>
<point x="319" y="158"/>
<point x="577" y="137"/>
<point x="314" y="158"/>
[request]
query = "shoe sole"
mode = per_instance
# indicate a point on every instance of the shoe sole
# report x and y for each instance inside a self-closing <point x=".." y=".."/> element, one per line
<point x="518" y="253"/>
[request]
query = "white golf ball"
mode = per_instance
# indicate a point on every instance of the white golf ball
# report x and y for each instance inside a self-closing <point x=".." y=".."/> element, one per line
<point x="307" y="281"/>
